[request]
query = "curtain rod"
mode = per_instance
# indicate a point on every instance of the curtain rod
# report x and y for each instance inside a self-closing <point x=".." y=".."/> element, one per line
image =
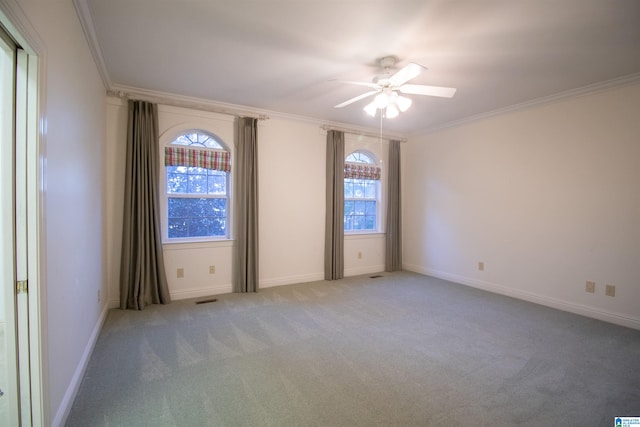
<point x="186" y="104"/>
<point x="363" y="133"/>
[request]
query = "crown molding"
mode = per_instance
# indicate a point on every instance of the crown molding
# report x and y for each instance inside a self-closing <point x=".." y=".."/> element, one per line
<point x="127" y="92"/>
<point x="21" y="29"/>
<point x="362" y="132"/>
<point x="83" y="10"/>
<point x="573" y="93"/>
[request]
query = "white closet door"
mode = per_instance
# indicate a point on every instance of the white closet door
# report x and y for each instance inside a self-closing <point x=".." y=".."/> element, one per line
<point x="10" y="397"/>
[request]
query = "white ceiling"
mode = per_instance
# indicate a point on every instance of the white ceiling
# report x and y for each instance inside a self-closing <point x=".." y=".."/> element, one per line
<point x="286" y="55"/>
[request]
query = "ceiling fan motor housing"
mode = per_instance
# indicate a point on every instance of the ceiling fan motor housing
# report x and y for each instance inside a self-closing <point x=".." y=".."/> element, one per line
<point x="387" y="62"/>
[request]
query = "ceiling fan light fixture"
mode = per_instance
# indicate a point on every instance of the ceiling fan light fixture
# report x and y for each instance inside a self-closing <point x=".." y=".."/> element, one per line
<point x="381" y="100"/>
<point x="391" y="111"/>
<point x="403" y="103"/>
<point x="371" y="109"/>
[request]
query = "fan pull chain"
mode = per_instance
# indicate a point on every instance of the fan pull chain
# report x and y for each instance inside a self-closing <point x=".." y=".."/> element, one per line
<point x="381" y="114"/>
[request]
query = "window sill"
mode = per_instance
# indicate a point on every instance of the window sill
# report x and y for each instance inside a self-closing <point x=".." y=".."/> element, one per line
<point x="177" y="246"/>
<point x="362" y="235"/>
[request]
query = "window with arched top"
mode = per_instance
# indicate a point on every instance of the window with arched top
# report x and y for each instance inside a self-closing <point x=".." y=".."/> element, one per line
<point x="361" y="192"/>
<point x="198" y="167"/>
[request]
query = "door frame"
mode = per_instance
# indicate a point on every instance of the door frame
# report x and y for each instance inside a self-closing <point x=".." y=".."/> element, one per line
<point x="18" y="26"/>
<point x="10" y="381"/>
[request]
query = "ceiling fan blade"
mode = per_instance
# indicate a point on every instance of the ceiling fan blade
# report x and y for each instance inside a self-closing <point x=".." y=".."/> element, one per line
<point x="356" y="99"/>
<point x="443" y="92"/>
<point x="405" y="74"/>
<point x="351" y="82"/>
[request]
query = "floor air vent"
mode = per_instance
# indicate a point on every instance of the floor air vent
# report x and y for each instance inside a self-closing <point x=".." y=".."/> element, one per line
<point x="376" y="276"/>
<point x="205" y="301"/>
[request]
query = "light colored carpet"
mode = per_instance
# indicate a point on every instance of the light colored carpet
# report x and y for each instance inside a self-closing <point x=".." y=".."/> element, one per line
<point x="401" y="350"/>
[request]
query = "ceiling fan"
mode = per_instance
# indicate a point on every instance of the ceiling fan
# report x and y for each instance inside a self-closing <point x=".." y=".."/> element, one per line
<point x="387" y="88"/>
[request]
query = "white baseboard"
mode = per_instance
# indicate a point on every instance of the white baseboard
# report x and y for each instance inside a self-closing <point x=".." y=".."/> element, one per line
<point x="291" y="280"/>
<point x="181" y="294"/>
<point x="314" y="277"/>
<point x="571" y="307"/>
<point x="200" y="292"/>
<point x="61" y="415"/>
<point x="363" y="270"/>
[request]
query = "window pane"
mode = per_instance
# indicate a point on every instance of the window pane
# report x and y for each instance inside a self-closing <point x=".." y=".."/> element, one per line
<point x="348" y="223"/>
<point x="177" y="183"/>
<point x="197" y="171"/>
<point x="218" y="226"/>
<point x="199" y="207"/>
<point x="370" y="208"/>
<point x="197" y="139"/>
<point x="198" y="227"/>
<point x="358" y="188"/>
<point x="359" y="157"/>
<point x="198" y="184"/>
<point x="181" y="140"/>
<point x="370" y="189"/>
<point x="217" y="184"/>
<point x="358" y="222"/>
<point x="219" y="207"/>
<point x="348" y="188"/>
<point x="370" y="222"/>
<point x="178" y="208"/>
<point x="176" y="169"/>
<point x="348" y="207"/>
<point x="359" y="206"/>
<point x="178" y="227"/>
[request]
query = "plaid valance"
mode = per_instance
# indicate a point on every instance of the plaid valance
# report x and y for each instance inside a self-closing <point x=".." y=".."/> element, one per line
<point x="361" y="171"/>
<point x="209" y="159"/>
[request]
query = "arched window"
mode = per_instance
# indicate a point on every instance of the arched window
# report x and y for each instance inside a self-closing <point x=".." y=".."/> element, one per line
<point x="361" y="192"/>
<point x="198" y="168"/>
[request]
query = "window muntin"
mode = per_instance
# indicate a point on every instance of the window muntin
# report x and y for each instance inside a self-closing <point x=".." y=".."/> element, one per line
<point x="197" y="139"/>
<point x="197" y="187"/>
<point x="361" y="193"/>
<point x="359" y="157"/>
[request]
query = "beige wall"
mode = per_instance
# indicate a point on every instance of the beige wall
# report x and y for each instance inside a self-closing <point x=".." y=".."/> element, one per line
<point x="292" y="197"/>
<point x="547" y="198"/>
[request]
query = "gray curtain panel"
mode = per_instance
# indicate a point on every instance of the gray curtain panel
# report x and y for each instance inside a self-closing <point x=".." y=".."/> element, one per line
<point x="143" y="279"/>
<point x="334" y="222"/>
<point x="393" y="252"/>
<point x="245" y="254"/>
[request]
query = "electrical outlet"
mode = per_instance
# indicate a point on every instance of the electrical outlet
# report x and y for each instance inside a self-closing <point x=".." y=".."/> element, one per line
<point x="359" y="255"/>
<point x="610" y="290"/>
<point x="590" y="287"/>
<point x="180" y="273"/>
<point x="481" y="266"/>
<point x="212" y="269"/>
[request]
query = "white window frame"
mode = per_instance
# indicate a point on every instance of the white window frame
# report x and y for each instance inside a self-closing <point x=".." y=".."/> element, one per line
<point x="165" y="196"/>
<point x="378" y="197"/>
